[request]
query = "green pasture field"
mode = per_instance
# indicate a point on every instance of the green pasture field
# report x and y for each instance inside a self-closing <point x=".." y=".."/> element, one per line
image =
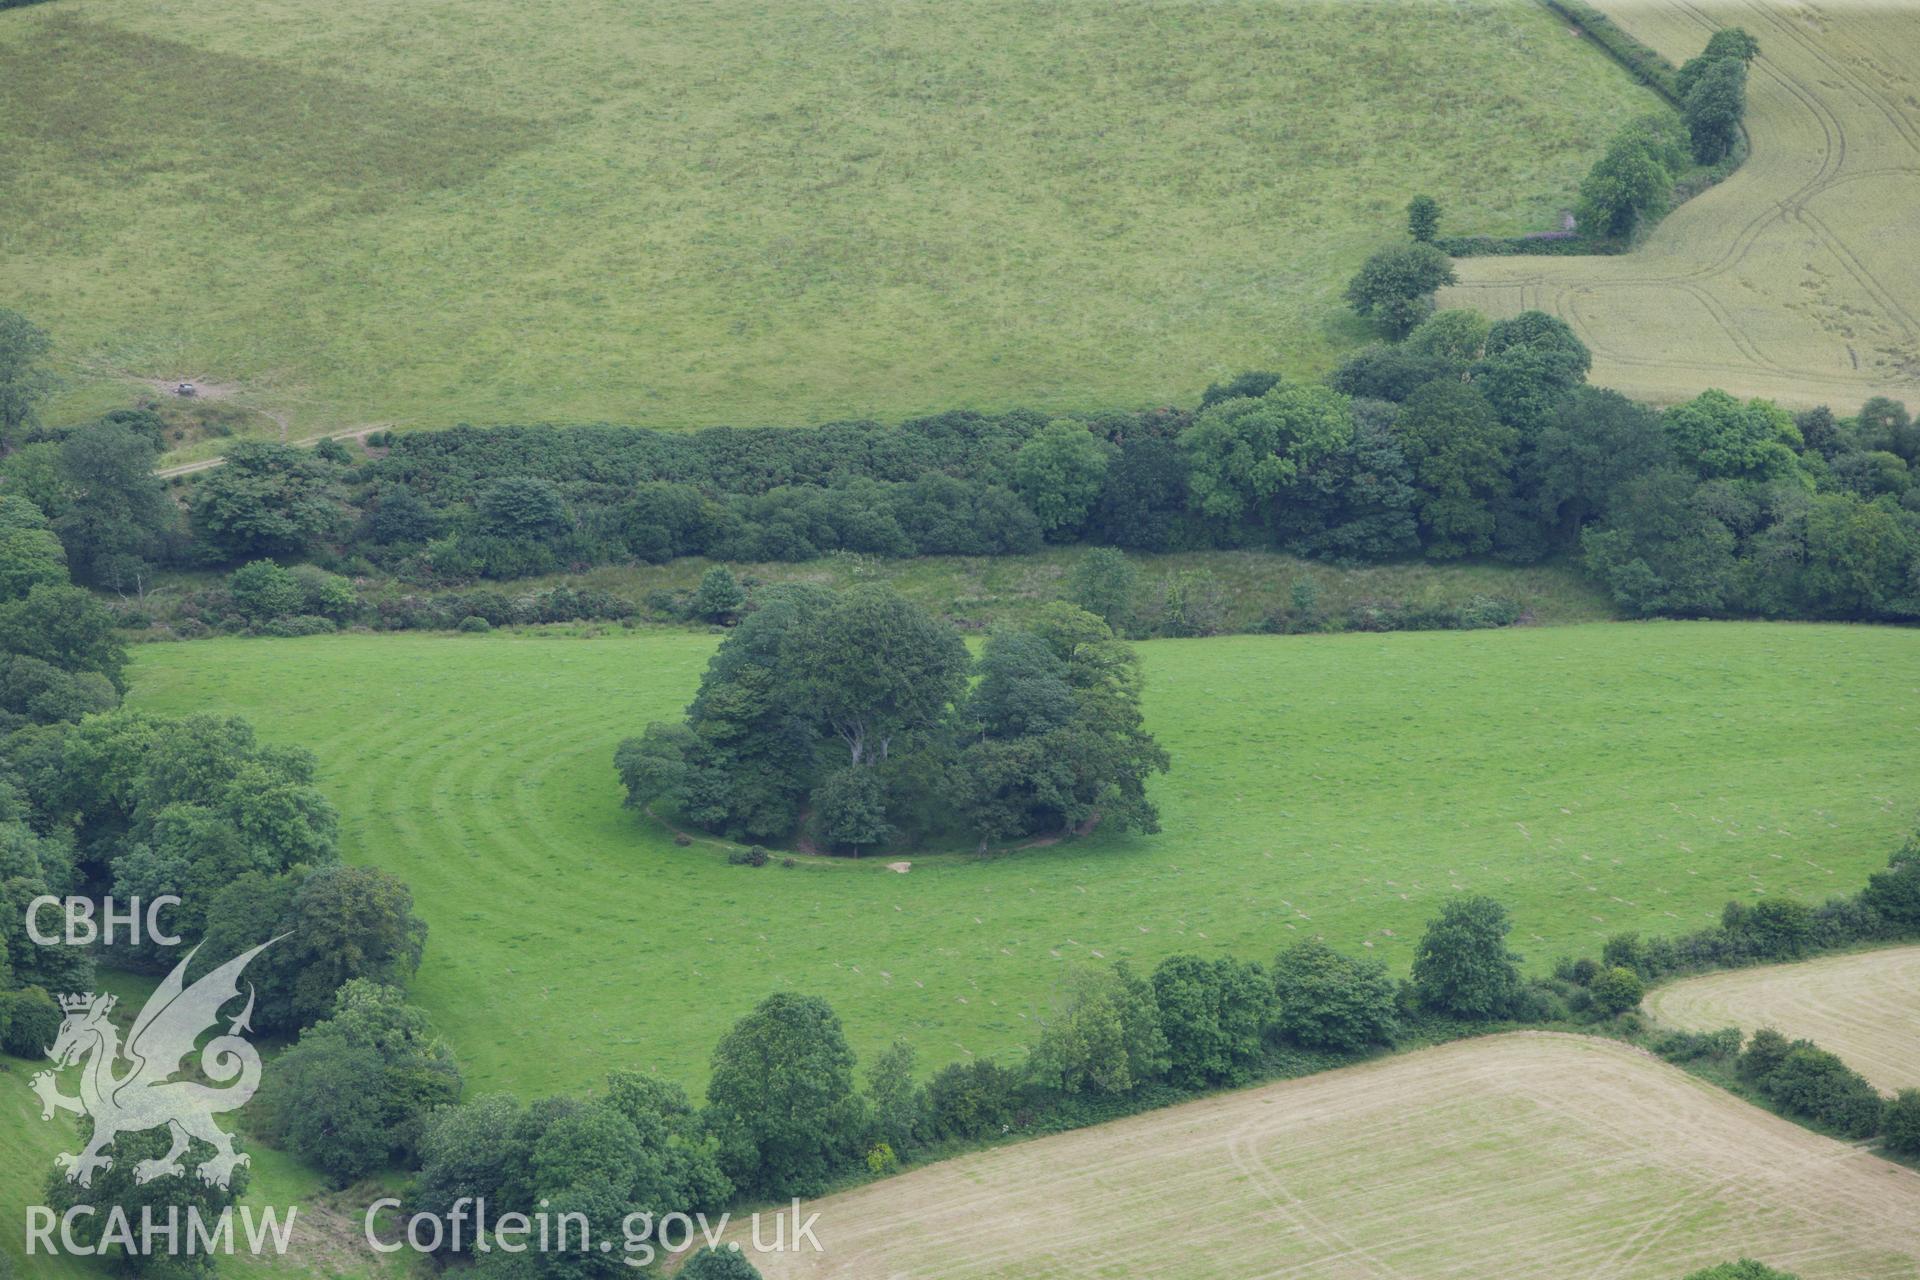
<point x="27" y="1147"/>
<point x="724" y="211"/>
<point x="1595" y="778"/>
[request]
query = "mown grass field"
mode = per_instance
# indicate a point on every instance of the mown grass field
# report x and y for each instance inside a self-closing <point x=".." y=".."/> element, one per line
<point x="1596" y="778"/>
<point x="1865" y="1007"/>
<point x="727" y="211"/>
<point x="1794" y="279"/>
<point x="1511" y="1157"/>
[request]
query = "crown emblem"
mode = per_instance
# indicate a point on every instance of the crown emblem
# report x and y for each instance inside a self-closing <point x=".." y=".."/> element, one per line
<point x="143" y="1095"/>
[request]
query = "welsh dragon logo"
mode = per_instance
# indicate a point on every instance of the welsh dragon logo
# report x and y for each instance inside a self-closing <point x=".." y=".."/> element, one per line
<point x="140" y="1095"/>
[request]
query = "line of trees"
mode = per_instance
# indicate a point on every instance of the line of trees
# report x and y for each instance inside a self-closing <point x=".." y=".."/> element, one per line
<point x="60" y="661"/>
<point x="1632" y="184"/>
<point x="787" y="1111"/>
<point x="1803" y="1081"/>
<point x="1714" y="507"/>
<point x="97" y="800"/>
<point x="1712" y="89"/>
<point x="1797" y="1076"/>
<point x="1460" y="438"/>
<point x="1649" y="165"/>
<point x="1464" y="439"/>
<point x="1774" y="929"/>
<point x="1744" y="1269"/>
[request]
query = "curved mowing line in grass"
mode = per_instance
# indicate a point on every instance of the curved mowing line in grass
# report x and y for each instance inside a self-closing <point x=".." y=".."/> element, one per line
<point x="1596" y="778"/>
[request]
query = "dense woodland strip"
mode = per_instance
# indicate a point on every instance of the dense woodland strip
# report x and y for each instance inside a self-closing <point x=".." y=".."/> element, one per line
<point x="1463" y="440"/>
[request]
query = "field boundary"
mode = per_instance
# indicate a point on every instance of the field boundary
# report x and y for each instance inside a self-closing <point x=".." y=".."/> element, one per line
<point x="1288" y="1065"/>
<point x="1242" y="1121"/>
<point x="305" y="442"/>
<point x="1646" y="65"/>
<point x="1702" y="179"/>
<point x="1782" y="995"/>
<point x="1642" y="61"/>
<point x="915" y="247"/>
<point x="1758" y="288"/>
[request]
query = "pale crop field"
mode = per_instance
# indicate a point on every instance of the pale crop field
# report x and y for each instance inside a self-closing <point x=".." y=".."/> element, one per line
<point x="726" y="211"/>
<point x="1594" y="778"/>
<point x="1865" y="1007"/>
<point x="1507" y="1158"/>
<point x="1798" y="277"/>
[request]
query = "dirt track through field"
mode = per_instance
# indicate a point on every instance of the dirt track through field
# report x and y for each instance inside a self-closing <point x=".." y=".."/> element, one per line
<point x="1523" y="1155"/>
<point x="207" y="464"/>
<point x="1795" y="279"/>
<point x="1866" y="1008"/>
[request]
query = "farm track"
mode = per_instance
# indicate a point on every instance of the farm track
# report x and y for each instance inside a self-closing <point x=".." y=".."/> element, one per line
<point x="1760" y="286"/>
<point x="1866" y="1008"/>
<point x="207" y="464"/>
<point x="1516" y="1155"/>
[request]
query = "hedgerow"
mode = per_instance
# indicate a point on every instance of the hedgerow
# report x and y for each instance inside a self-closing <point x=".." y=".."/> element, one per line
<point x="1646" y="65"/>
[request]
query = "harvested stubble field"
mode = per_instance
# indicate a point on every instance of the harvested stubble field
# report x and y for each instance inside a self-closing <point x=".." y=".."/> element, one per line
<point x="1342" y="786"/>
<point x="1794" y="279"/>
<point x="1515" y="1156"/>
<point x="727" y="211"/>
<point x="1864" y="1007"/>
